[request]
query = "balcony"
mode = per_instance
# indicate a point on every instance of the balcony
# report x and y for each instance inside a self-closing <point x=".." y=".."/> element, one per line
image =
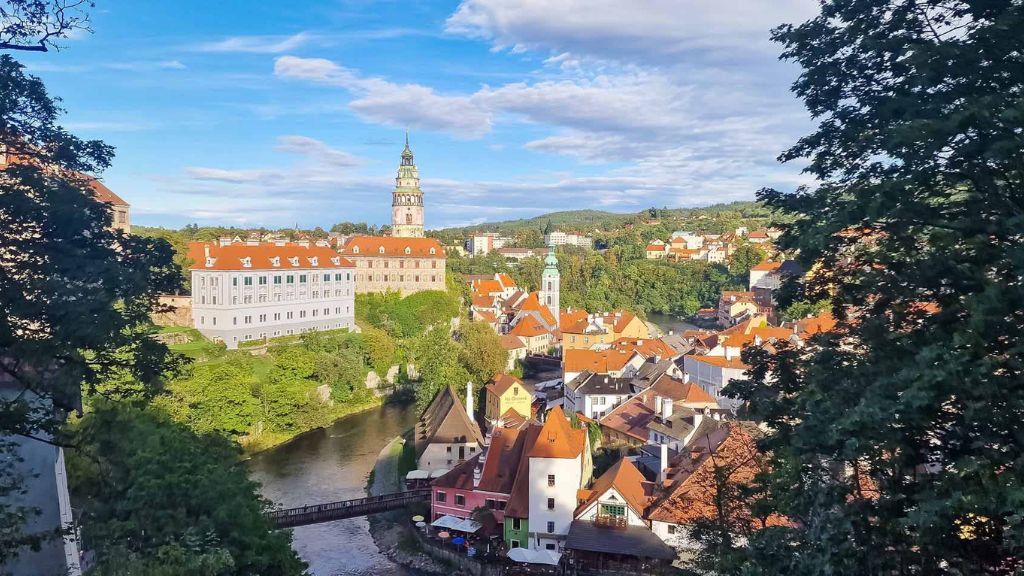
<point x="608" y="521"/>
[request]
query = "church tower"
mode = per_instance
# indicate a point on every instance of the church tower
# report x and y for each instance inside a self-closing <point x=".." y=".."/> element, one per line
<point x="407" y="199"/>
<point x="550" y="285"/>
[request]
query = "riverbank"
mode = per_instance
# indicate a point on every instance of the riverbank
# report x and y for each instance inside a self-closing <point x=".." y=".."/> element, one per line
<point x="390" y="531"/>
<point x="268" y="440"/>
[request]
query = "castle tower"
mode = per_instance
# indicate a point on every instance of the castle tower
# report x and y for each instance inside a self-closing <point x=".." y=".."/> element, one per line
<point x="407" y="199"/>
<point x="550" y="284"/>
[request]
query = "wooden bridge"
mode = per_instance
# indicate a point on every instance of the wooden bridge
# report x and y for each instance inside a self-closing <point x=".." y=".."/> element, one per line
<point x="317" y="513"/>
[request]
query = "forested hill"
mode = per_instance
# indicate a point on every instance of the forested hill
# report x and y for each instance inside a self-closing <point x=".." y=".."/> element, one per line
<point x="527" y="231"/>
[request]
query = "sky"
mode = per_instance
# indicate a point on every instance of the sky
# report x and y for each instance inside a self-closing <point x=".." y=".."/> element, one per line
<point x="280" y="114"/>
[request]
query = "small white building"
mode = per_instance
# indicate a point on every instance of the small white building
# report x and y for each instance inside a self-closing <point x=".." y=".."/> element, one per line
<point x="560" y="464"/>
<point x="558" y="238"/>
<point x="595" y="395"/>
<point x="252" y="291"/>
<point x="713" y="374"/>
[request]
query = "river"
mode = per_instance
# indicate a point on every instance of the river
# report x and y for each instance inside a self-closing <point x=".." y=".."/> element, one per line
<point x="327" y="465"/>
<point x="666" y="322"/>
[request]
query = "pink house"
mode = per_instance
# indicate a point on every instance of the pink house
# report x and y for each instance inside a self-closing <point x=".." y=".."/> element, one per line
<point x="483" y="481"/>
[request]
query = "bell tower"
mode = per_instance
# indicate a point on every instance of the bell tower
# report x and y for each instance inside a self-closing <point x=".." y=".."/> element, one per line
<point x="407" y="199"/>
<point x="550" y="285"/>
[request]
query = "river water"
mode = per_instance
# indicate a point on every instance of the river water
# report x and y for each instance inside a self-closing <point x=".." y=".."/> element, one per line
<point x="328" y="465"/>
<point x="666" y="322"/>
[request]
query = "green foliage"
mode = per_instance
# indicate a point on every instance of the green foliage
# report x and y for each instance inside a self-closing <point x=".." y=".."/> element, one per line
<point x="743" y="259"/>
<point x="405" y="317"/>
<point x="157" y="498"/>
<point x="482" y="352"/>
<point x="802" y="309"/>
<point x="438" y="359"/>
<point x="916" y="231"/>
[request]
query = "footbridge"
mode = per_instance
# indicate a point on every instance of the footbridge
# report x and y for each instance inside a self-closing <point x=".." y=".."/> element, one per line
<point x="331" y="511"/>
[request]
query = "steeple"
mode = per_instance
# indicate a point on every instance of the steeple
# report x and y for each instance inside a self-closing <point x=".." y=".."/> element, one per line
<point x="407" y="153"/>
<point x="551" y="285"/>
<point x="407" y="199"/>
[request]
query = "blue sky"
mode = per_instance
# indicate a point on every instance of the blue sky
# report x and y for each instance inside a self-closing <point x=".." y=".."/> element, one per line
<point x="282" y="113"/>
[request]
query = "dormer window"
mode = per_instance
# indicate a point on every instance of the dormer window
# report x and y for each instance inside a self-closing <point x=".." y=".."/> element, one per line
<point x="210" y="261"/>
<point x="336" y="260"/>
<point x="247" y="262"/>
<point x="314" y="261"/>
<point x="294" y="261"/>
<point x="355" y="249"/>
<point x="275" y="261"/>
<point x="433" y="251"/>
<point x="408" y="250"/>
<point x="381" y="250"/>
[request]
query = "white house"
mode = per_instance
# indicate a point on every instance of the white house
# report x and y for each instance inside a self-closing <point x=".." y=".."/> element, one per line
<point x="560" y="464"/>
<point x="251" y="291"/>
<point x="713" y="373"/>
<point x="558" y="238"/>
<point x="595" y="395"/>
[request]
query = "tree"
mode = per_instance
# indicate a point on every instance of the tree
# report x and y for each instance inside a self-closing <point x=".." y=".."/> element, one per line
<point x="482" y="352"/>
<point x="743" y="259"/>
<point x="75" y="296"/>
<point x="156" y="498"/>
<point x="438" y="361"/>
<point x="895" y="439"/>
<point x="36" y="25"/>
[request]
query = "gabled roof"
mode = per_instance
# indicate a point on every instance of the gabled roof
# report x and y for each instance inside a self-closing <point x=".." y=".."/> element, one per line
<point x="823" y="322"/>
<point x="721" y="361"/>
<point x="104" y="194"/>
<point x="519" y="500"/>
<point x="360" y="246"/>
<point x="736" y="296"/>
<point x="752" y="334"/>
<point x="528" y="327"/>
<point x="512" y="342"/>
<point x="460" y="477"/>
<point x="569" y="316"/>
<point x="766" y="266"/>
<point x="627" y="481"/>
<point x="502" y="460"/>
<point x="486" y="287"/>
<point x="502" y="382"/>
<point x="532" y="303"/>
<point x="597" y="361"/>
<point x="445" y="420"/>
<point x="647" y="347"/>
<point x="590" y="383"/>
<point x="558" y="439"/>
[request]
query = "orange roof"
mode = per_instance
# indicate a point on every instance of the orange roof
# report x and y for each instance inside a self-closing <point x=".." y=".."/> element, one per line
<point x="104" y="194"/>
<point x="694" y="394"/>
<point x="511" y="342"/>
<point x="486" y="287"/>
<point x="693" y="495"/>
<point x="558" y="439"/>
<point x="823" y="322"/>
<point x="616" y="320"/>
<point x="264" y="257"/>
<point x="483" y="300"/>
<point x="739" y="295"/>
<point x="590" y="360"/>
<point x="648" y="347"/>
<point x="503" y="456"/>
<point x="758" y="234"/>
<point x="766" y="266"/>
<point x="529" y="327"/>
<point x="502" y="382"/>
<point x="392" y="247"/>
<point x="570" y="316"/>
<point x="506" y="280"/>
<point x="532" y="304"/>
<point x="721" y="361"/>
<point x="765" y="333"/>
<point x="627" y="481"/>
<point x="656" y="247"/>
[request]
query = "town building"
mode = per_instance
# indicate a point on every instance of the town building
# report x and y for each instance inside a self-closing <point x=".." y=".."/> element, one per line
<point x="515" y="348"/>
<point x="254" y="291"/>
<point x="594" y="395"/>
<point x="447" y="434"/>
<point x="483" y="243"/>
<point x="735" y="306"/>
<point x="558" y="238"/>
<point x="506" y="392"/>
<point x="407" y="199"/>
<point x="119" y="209"/>
<point x="513" y="254"/>
<point x="388" y="264"/>
<point x="551" y="286"/>
<point x="602" y="329"/>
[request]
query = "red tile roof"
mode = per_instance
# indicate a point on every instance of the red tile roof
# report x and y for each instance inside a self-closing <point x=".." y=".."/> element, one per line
<point x="262" y="257"/>
<point x="532" y="304"/>
<point x="502" y="458"/>
<point x="502" y="382"/>
<point x="104" y="194"/>
<point x="823" y="322"/>
<point x="766" y="266"/>
<point x="627" y="481"/>
<point x="647" y="347"/>
<point x="363" y="246"/>
<point x="529" y="327"/>
<point x="722" y="361"/>
<point x="558" y="439"/>
<point x="512" y="342"/>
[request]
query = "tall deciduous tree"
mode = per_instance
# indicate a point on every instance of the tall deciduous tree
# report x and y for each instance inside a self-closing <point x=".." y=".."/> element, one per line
<point x="896" y="440"/>
<point x="36" y="25"/>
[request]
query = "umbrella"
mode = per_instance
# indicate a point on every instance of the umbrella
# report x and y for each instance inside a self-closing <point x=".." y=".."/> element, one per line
<point x="421" y="524"/>
<point x="443" y="534"/>
<point x="458" y="540"/>
<point x="417" y="518"/>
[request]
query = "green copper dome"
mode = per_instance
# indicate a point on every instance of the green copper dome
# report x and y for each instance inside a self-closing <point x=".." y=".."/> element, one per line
<point x="551" y="261"/>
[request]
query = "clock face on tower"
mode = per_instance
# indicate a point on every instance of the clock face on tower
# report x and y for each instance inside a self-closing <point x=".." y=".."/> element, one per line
<point x="407" y="199"/>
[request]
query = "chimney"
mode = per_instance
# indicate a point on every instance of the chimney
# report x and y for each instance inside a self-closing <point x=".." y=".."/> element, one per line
<point x="206" y="250"/>
<point x="686" y="377"/>
<point x="671" y="332"/>
<point x="698" y="417"/>
<point x="469" y="400"/>
<point x="663" y="463"/>
<point x="657" y="405"/>
<point x="666" y="409"/>
<point x="728" y="353"/>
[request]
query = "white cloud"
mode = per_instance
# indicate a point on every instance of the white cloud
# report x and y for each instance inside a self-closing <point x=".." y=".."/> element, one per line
<point x="401" y="105"/>
<point x="258" y="44"/>
<point x="640" y="30"/>
<point x="317" y="150"/>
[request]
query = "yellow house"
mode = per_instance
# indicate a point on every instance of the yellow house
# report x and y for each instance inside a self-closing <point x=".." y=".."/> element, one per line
<point x="507" y="392"/>
<point x="593" y="329"/>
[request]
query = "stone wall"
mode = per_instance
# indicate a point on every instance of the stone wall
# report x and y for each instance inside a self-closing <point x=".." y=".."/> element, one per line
<point x="179" y="311"/>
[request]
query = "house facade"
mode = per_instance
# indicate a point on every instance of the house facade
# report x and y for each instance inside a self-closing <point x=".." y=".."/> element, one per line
<point x="245" y="291"/>
<point x="506" y="392"/>
<point x="446" y="434"/>
<point x="405" y="265"/>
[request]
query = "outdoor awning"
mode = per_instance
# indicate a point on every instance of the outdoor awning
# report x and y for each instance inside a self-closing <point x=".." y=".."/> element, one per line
<point x="457" y="524"/>
<point x="629" y="541"/>
<point x="418" y="475"/>
<point x="528" y="556"/>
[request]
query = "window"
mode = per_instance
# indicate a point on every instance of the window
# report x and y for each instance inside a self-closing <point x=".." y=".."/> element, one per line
<point x="262" y="281"/>
<point x="490" y="504"/>
<point x="551" y="503"/>
<point x="514" y="543"/>
<point x="290" y="279"/>
<point x="440" y="497"/>
<point x="234" y="281"/>
<point x="277" y="279"/>
<point x="549" y="546"/>
<point x="551" y="479"/>
<point x="671" y="528"/>
<point x="247" y="281"/>
<point x="448" y="449"/>
<point x="302" y="278"/>
<point x="327" y="277"/>
<point x="517" y="524"/>
<point x="616" y="510"/>
<point x="551" y="528"/>
<point x="214" y="320"/>
<point x="460" y="500"/>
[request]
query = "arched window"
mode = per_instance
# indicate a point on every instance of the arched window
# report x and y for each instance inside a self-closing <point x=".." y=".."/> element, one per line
<point x="408" y="220"/>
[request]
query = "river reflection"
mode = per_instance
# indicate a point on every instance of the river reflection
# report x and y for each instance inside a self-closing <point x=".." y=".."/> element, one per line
<point x="327" y="465"/>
